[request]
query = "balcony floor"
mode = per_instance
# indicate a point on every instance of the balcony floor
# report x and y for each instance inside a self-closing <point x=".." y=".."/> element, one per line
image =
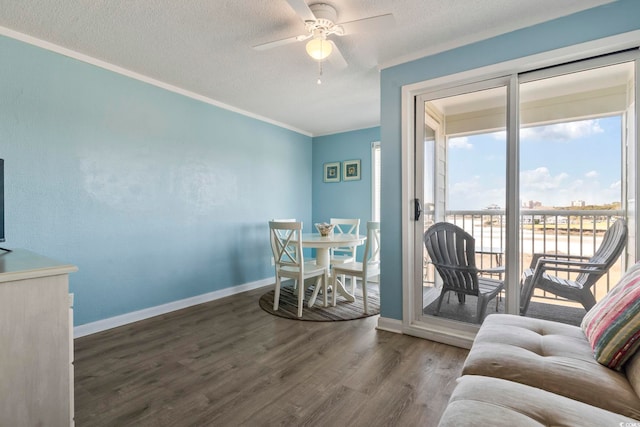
<point x="452" y="309"/>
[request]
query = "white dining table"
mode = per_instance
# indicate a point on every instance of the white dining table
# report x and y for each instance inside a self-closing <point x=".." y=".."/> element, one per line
<point x="322" y="245"/>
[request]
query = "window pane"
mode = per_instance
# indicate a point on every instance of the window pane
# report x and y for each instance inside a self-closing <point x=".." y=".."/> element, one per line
<point x="571" y="185"/>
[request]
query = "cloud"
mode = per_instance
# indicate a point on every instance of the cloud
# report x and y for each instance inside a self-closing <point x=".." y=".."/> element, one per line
<point x="551" y="190"/>
<point x="474" y="194"/>
<point x="540" y="179"/>
<point x="466" y="187"/>
<point x="559" y="189"/>
<point x="500" y="135"/>
<point x="562" y="131"/>
<point x="461" y="142"/>
<point x="540" y="184"/>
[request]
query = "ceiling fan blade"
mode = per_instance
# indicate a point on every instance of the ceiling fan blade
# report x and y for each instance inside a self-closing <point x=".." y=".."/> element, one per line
<point x="276" y="43"/>
<point x="374" y="23"/>
<point x="302" y="9"/>
<point x="336" y="59"/>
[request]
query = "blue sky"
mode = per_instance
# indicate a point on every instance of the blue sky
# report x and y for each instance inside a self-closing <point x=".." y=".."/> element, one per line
<point x="559" y="163"/>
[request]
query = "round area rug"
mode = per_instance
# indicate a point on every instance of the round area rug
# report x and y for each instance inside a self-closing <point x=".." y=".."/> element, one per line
<point x="344" y="310"/>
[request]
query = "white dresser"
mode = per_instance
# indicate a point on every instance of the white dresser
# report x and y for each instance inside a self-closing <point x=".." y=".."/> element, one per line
<point x="36" y="345"/>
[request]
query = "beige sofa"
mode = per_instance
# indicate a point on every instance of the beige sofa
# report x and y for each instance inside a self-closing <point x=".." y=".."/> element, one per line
<point x="531" y="372"/>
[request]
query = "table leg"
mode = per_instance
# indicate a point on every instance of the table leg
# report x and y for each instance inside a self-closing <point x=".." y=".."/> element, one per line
<point x="343" y="291"/>
<point x="340" y="288"/>
<point x="322" y="259"/>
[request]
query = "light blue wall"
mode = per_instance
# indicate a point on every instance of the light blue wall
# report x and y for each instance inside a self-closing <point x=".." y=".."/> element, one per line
<point x="344" y="199"/>
<point x="158" y="197"/>
<point x="611" y="19"/>
<point x="155" y="197"/>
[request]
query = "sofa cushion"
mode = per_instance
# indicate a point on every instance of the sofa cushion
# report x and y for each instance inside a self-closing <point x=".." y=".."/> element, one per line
<point x="632" y="370"/>
<point x="551" y="356"/>
<point x="485" y="401"/>
<point x="612" y="326"/>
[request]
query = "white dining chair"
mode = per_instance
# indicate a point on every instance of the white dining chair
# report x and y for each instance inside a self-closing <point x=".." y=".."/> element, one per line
<point x="286" y="244"/>
<point x="295" y="282"/>
<point x="343" y="255"/>
<point x="370" y="267"/>
<point x="344" y="226"/>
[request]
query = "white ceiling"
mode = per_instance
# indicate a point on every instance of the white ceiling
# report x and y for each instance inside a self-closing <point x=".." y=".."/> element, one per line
<point x="205" y="47"/>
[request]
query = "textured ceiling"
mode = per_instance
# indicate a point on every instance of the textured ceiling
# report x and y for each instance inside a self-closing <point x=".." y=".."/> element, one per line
<point x="205" y="46"/>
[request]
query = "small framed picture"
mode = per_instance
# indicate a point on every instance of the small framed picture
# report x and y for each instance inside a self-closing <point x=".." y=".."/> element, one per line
<point x="351" y="170"/>
<point x="332" y="172"/>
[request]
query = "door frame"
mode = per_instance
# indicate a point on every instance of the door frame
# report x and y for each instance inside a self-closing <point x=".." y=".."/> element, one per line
<point x="440" y="197"/>
<point x="436" y="329"/>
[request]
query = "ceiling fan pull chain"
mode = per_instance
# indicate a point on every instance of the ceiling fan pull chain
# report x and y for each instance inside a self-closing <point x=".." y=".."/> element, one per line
<point x="320" y="72"/>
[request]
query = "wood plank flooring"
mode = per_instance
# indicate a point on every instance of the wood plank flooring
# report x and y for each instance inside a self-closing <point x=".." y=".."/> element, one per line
<point x="229" y="363"/>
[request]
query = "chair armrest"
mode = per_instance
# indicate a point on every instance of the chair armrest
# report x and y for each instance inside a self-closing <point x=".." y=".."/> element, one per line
<point x="537" y="256"/>
<point x="493" y="270"/>
<point x="568" y="265"/>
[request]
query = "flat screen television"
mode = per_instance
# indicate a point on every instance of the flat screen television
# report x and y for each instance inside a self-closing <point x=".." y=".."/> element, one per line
<point x="1" y="200"/>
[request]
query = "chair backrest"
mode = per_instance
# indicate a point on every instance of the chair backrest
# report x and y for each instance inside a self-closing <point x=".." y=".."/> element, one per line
<point x="372" y="246"/>
<point x="286" y="243"/>
<point x="613" y="242"/>
<point x="452" y="252"/>
<point x="345" y="226"/>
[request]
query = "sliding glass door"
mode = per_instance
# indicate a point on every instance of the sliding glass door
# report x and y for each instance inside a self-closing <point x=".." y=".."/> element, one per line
<point x="460" y="179"/>
<point x="573" y="174"/>
<point x="538" y="162"/>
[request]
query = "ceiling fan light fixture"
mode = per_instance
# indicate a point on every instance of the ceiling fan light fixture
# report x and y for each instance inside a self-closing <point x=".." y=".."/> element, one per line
<point x="319" y="49"/>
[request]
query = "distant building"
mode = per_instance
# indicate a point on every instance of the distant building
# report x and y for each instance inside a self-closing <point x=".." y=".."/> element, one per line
<point x="531" y="204"/>
<point x="578" y="204"/>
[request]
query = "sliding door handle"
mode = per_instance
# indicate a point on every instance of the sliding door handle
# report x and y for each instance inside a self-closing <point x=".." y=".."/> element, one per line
<point x="417" y="209"/>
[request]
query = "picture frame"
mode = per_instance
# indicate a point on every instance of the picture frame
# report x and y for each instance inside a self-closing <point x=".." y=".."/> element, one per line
<point x="332" y="172"/>
<point x="351" y="170"/>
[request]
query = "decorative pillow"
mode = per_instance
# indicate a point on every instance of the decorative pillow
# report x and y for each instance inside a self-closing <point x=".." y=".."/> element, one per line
<point x="612" y="326"/>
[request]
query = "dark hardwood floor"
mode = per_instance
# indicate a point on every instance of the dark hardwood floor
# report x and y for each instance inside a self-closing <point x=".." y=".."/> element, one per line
<point x="228" y="363"/>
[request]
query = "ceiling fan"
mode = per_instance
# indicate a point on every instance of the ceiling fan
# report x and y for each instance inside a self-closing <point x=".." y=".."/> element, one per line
<point x="320" y="20"/>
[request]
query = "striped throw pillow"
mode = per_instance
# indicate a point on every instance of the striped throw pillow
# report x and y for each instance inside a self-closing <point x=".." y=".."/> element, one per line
<point x="612" y="326"/>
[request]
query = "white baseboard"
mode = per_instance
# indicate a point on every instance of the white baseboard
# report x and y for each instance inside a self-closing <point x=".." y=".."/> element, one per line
<point x="135" y="316"/>
<point x="389" y="325"/>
